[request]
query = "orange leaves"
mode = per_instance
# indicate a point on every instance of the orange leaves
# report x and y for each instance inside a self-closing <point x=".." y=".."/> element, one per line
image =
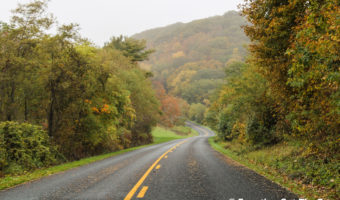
<point x="88" y="101"/>
<point x="95" y="110"/>
<point x="171" y="110"/>
<point x="105" y="109"/>
<point x="170" y="106"/>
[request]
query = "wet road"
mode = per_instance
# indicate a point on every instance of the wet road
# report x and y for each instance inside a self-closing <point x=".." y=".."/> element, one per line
<point x="180" y="169"/>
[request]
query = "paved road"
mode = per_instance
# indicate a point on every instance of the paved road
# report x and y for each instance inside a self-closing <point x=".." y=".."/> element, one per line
<point x="181" y="169"/>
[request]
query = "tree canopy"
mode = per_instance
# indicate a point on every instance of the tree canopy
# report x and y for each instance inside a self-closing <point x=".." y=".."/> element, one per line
<point x="90" y="100"/>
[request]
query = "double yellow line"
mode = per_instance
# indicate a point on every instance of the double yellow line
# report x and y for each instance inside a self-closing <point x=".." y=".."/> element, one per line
<point x="141" y="180"/>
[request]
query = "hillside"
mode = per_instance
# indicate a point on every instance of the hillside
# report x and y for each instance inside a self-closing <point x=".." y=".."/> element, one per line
<point x="190" y="57"/>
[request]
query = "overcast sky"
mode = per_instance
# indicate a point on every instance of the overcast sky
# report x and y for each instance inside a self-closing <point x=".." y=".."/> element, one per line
<point x="101" y="19"/>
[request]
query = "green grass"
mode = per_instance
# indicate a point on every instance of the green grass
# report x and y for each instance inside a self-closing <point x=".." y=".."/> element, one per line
<point x="12" y="180"/>
<point x="182" y="130"/>
<point x="160" y="135"/>
<point x="281" y="164"/>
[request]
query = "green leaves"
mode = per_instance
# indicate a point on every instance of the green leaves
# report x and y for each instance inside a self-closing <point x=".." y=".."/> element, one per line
<point x="24" y="147"/>
<point x="244" y="109"/>
<point x="196" y="112"/>
<point x="90" y="100"/>
<point x="296" y="49"/>
<point x="131" y="48"/>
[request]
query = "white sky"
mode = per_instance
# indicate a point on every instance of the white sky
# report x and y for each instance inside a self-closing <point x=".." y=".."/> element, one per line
<point x="101" y="19"/>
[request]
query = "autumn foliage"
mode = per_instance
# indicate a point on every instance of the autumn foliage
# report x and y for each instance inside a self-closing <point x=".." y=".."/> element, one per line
<point x="170" y="106"/>
<point x="90" y="100"/>
<point x="296" y="48"/>
<point x="287" y="91"/>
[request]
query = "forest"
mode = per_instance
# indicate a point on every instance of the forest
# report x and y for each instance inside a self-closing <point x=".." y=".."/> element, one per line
<point x="279" y="89"/>
<point x="288" y="88"/>
<point x="63" y="98"/>
<point x="264" y="78"/>
<point x="190" y="58"/>
<point x="287" y="85"/>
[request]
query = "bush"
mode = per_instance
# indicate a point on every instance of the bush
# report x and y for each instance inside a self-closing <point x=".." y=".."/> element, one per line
<point x="261" y="128"/>
<point x="24" y="147"/>
<point x="228" y="123"/>
<point x="225" y="125"/>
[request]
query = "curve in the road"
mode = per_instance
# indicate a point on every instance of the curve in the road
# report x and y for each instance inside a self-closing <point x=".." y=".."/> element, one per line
<point x="180" y="169"/>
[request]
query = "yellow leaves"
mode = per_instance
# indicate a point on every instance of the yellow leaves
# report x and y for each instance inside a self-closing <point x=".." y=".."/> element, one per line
<point x="86" y="50"/>
<point x="335" y="38"/>
<point x="178" y="54"/>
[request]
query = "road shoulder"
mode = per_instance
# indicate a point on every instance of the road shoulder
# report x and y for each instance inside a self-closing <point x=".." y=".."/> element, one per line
<point x="236" y="160"/>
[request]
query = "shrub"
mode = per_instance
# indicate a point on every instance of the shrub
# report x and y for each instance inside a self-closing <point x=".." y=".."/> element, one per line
<point x="261" y="129"/>
<point x="24" y="147"/>
<point x="226" y="122"/>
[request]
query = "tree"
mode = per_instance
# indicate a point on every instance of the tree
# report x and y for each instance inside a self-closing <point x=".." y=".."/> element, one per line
<point x="244" y="108"/>
<point x="18" y="57"/>
<point x="196" y="112"/>
<point x="314" y="77"/>
<point x="145" y="103"/>
<point x="195" y="82"/>
<point x="296" y="49"/>
<point x="131" y="48"/>
<point x="271" y="29"/>
<point x="90" y="100"/>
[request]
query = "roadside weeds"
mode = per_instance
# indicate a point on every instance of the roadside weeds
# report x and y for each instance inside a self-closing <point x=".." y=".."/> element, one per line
<point x="160" y="135"/>
<point x="267" y="162"/>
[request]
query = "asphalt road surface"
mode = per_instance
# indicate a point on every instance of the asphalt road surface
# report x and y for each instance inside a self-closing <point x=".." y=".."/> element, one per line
<point x="180" y="169"/>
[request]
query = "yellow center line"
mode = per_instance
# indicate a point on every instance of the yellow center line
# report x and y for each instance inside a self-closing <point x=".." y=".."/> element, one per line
<point x="141" y="180"/>
<point x="158" y="166"/>
<point x="142" y="192"/>
<point x="166" y="156"/>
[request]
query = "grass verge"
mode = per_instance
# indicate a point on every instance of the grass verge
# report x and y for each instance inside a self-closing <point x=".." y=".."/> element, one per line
<point x="160" y="135"/>
<point x="275" y="164"/>
<point x="12" y="180"/>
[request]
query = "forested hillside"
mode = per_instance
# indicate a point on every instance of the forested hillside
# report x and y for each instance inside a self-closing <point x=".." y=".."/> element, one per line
<point x="265" y="79"/>
<point x="283" y="94"/>
<point x="190" y="57"/>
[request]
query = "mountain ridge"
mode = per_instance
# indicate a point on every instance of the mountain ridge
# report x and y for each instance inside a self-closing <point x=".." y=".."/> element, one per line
<point x="184" y="49"/>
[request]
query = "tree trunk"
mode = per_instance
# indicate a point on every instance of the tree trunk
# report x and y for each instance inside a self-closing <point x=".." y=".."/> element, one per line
<point x="50" y="116"/>
<point x="26" y="110"/>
